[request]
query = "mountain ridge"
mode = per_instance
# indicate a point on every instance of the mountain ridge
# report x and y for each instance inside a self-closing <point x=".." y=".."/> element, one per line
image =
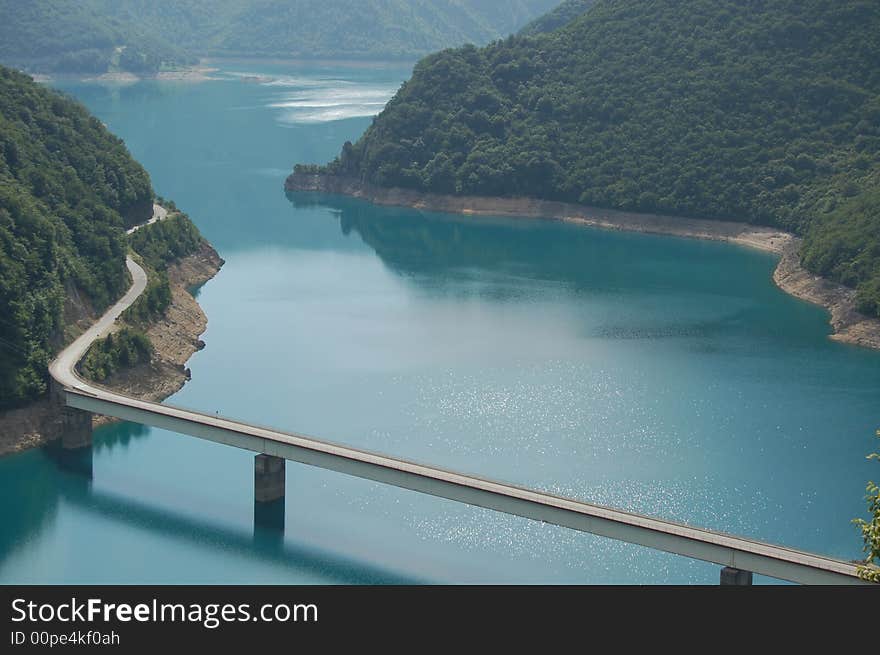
<point x="97" y="36"/>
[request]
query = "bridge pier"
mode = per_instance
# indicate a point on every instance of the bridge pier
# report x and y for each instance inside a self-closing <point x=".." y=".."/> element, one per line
<point x="76" y="424"/>
<point x="269" y="478"/>
<point x="731" y="577"/>
<point x="76" y="429"/>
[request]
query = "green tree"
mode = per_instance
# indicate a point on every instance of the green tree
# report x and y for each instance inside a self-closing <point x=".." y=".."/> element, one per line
<point x="120" y="350"/>
<point x="870" y="570"/>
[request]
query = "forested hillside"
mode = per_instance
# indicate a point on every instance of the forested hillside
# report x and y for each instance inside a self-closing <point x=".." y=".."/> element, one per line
<point x="67" y="189"/>
<point x="146" y="35"/>
<point x="559" y="17"/>
<point x="376" y="28"/>
<point x="71" y="36"/>
<point x="767" y="112"/>
<point x="844" y="245"/>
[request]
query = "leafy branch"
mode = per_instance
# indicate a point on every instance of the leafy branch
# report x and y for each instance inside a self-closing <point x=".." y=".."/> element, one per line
<point x="870" y="570"/>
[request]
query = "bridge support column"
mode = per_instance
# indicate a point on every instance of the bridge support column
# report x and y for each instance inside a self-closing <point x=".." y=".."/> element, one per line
<point x="76" y="431"/>
<point x="76" y="424"/>
<point x="268" y="478"/>
<point x="731" y="577"/>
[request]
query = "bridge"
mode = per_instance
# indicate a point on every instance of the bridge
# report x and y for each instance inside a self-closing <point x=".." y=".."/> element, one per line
<point x="740" y="557"/>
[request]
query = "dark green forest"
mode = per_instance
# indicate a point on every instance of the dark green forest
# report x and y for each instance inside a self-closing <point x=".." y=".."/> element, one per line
<point x="67" y="189"/>
<point x="84" y="35"/>
<point x="62" y="36"/>
<point x="844" y="245"/>
<point x="120" y="350"/>
<point x="166" y="241"/>
<point x="766" y="111"/>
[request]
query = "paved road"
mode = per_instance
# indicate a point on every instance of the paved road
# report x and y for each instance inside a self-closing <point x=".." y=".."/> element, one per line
<point x="159" y="214"/>
<point x="63" y="368"/>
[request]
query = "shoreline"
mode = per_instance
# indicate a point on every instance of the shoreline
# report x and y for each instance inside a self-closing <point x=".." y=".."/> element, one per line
<point x="175" y="338"/>
<point x="848" y="325"/>
<point x="325" y="62"/>
<point x="208" y="66"/>
<point x="199" y="73"/>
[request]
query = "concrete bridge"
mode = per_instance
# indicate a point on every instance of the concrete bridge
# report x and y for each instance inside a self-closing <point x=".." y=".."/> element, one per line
<point x="739" y="556"/>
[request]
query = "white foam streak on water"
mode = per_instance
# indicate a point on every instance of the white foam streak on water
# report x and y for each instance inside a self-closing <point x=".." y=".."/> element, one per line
<point x="265" y="79"/>
<point x="325" y="116"/>
<point x="299" y="82"/>
<point x="321" y="100"/>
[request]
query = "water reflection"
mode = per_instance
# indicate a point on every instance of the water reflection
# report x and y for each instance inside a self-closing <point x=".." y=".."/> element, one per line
<point x="269" y="520"/>
<point x="76" y="462"/>
<point x="412" y="242"/>
<point x="29" y="488"/>
<point x="623" y="286"/>
<point x="118" y="435"/>
<point x="34" y="484"/>
<point x="117" y="94"/>
<point x="264" y="544"/>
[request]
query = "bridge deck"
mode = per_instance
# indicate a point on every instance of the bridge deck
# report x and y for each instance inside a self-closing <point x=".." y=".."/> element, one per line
<point x="719" y="548"/>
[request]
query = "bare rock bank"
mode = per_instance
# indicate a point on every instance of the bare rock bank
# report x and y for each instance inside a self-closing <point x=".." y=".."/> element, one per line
<point x="848" y="324"/>
<point x="175" y="338"/>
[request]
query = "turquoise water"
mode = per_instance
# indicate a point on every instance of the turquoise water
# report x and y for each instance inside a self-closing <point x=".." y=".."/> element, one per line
<point x="660" y="375"/>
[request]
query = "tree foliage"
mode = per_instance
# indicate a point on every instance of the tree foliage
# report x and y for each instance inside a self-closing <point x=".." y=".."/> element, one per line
<point x="844" y="245"/>
<point x="123" y="349"/>
<point x="74" y="36"/>
<point x="871" y="530"/>
<point x="160" y="244"/>
<point x="152" y="303"/>
<point x="67" y="189"/>
<point x="559" y="17"/>
<point x="166" y="241"/>
<point x="373" y="28"/>
<point x="85" y="35"/>
<point x="767" y="112"/>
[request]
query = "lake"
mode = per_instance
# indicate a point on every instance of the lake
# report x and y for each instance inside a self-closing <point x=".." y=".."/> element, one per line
<point x="661" y="375"/>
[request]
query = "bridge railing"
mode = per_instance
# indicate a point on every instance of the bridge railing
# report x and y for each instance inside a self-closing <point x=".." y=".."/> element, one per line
<point x="739" y="556"/>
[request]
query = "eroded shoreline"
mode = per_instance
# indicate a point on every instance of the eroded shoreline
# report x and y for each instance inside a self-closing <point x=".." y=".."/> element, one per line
<point x="175" y="336"/>
<point x="849" y="326"/>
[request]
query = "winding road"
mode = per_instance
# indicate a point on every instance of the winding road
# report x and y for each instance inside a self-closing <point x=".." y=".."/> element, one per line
<point x="159" y="214"/>
<point x="63" y="368"/>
